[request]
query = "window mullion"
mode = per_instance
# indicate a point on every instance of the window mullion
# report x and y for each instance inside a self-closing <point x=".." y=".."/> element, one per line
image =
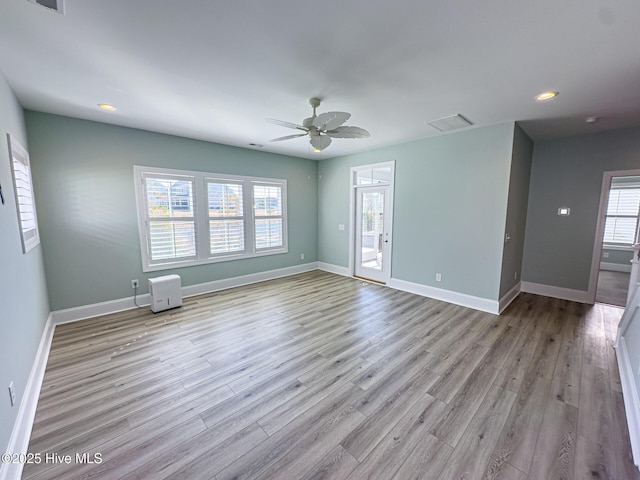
<point x="249" y="225"/>
<point x="201" y="218"/>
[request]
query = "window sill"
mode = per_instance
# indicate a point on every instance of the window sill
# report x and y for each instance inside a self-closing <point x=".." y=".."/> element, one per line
<point x="193" y="263"/>
<point x="622" y="248"/>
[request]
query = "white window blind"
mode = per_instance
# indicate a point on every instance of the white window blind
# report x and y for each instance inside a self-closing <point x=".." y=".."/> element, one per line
<point x="25" y="201"/>
<point x="189" y="218"/>
<point x="267" y="206"/>
<point x="226" y="217"/>
<point x="621" y="222"/>
<point x="170" y="220"/>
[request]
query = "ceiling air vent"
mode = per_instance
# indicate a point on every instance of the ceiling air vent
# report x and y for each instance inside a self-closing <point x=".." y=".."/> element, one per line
<point x="57" y="5"/>
<point x="450" y="123"/>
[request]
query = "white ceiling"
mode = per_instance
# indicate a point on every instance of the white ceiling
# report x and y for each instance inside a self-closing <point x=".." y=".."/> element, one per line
<point x="214" y="70"/>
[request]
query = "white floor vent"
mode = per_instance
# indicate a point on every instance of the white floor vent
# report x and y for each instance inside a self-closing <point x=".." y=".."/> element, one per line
<point x="165" y="292"/>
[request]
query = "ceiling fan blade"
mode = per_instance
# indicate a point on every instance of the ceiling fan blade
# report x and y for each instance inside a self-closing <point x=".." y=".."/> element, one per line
<point x="320" y="142"/>
<point x="288" y="137"/>
<point x="282" y="123"/>
<point x="348" y="132"/>
<point x="330" y="120"/>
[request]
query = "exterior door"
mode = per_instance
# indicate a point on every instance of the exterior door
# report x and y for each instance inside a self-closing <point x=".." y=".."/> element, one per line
<point x="372" y="233"/>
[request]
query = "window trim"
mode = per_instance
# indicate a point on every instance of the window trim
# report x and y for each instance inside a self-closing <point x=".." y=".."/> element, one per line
<point x="203" y="255"/>
<point x="19" y="154"/>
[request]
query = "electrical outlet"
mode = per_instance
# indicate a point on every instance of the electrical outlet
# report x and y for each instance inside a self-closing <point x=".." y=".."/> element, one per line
<point x="302" y="256"/>
<point x="135" y="283"/>
<point x="12" y="394"/>
<point x="438" y="277"/>
<point x="515" y="275"/>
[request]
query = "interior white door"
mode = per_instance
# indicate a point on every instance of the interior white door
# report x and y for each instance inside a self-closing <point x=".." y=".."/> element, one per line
<point x="372" y="233"/>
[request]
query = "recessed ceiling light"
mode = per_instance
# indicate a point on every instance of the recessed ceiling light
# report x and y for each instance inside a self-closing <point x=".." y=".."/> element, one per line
<point x="107" y="107"/>
<point x="591" y="120"/>
<point x="546" y="96"/>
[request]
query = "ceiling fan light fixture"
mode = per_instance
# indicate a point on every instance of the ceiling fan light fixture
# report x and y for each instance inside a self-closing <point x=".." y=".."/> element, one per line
<point x="321" y="128"/>
<point x="548" y="95"/>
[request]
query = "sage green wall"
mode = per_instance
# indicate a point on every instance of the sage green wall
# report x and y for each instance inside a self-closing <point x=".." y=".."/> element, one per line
<point x="516" y="210"/>
<point x="450" y="208"/>
<point x="24" y="305"/>
<point x="568" y="172"/>
<point x="619" y="257"/>
<point x="87" y="207"/>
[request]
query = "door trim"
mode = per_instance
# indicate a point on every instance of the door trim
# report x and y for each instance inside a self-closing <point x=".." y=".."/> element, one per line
<point x="352" y="208"/>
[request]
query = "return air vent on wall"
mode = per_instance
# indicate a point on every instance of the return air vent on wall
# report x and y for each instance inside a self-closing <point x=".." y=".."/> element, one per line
<point x="57" y="5"/>
<point x="450" y="123"/>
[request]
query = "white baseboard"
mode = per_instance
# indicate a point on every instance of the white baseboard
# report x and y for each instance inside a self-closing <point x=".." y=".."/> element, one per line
<point x="509" y="297"/>
<point x="119" y="305"/>
<point x="630" y="397"/>
<point x="19" y="441"/>
<point x="96" y="309"/>
<point x="580" y="296"/>
<point x="226" y="283"/>
<point x="615" y="267"/>
<point x="462" y="299"/>
<point x="328" y="267"/>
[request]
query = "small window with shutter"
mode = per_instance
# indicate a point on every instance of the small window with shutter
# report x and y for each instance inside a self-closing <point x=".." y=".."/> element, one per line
<point x="23" y="188"/>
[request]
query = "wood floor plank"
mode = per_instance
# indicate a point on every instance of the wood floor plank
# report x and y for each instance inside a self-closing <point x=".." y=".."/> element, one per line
<point x="518" y="440"/>
<point x="481" y="436"/>
<point x="368" y="434"/>
<point x="216" y="458"/>
<point x="554" y="456"/>
<point x="336" y="465"/>
<point x="393" y="448"/>
<point x="460" y="411"/>
<point x="315" y="392"/>
<point x="565" y="386"/>
<point x="504" y="471"/>
<point x="594" y="460"/>
<point x="318" y="376"/>
<point x="310" y="449"/>
<point x="596" y="406"/>
<point x="457" y="374"/>
<point x="257" y="461"/>
<point x="425" y="461"/>
<point x="595" y="341"/>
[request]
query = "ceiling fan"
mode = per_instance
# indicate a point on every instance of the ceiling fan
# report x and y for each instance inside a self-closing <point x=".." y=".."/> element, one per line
<point x="321" y="128"/>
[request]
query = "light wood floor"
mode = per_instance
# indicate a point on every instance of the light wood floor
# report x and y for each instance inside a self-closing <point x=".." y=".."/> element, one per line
<point x="320" y="376"/>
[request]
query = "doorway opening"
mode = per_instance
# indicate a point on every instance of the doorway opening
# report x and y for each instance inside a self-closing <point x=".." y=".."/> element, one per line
<point x="371" y="221"/>
<point x="618" y="226"/>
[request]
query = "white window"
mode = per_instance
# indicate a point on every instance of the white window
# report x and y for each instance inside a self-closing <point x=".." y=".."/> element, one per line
<point x="621" y="222"/>
<point x="268" y="215"/>
<point x="25" y="201"/>
<point x="190" y="218"/>
<point x="226" y="217"/>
